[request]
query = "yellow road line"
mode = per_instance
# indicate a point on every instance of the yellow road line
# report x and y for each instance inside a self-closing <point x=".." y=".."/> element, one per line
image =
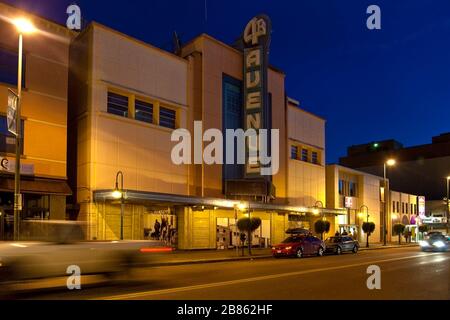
<point x="137" y="295"/>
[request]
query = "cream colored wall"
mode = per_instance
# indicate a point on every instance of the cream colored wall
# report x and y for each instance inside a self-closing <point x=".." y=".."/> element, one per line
<point x="306" y="128"/>
<point x="44" y="98"/>
<point x="306" y="181"/>
<point x="371" y="198"/>
<point x="141" y="151"/>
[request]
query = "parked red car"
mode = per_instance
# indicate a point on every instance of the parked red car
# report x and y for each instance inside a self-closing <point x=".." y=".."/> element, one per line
<point x="299" y="246"/>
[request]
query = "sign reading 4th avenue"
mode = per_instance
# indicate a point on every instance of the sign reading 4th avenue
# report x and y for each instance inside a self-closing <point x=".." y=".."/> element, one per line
<point x="256" y="41"/>
<point x="13" y="100"/>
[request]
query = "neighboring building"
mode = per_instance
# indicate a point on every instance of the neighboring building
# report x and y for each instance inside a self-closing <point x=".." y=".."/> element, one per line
<point x="352" y="190"/>
<point x="44" y="120"/>
<point x="420" y="169"/>
<point x="127" y="97"/>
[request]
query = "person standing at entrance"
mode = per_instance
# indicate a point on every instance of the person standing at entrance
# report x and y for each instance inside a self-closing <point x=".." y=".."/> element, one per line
<point x="157" y="227"/>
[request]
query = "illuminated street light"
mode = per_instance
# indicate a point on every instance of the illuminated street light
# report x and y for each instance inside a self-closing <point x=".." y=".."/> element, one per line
<point x="391" y="162"/>
<point x="24" y="26"/>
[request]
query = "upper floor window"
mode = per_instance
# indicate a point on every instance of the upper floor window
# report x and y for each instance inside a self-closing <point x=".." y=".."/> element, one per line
<point x="315" y="157"/>
<point x="393" y="206"/>
<point x="341" y="187"/>
<point x="305" y="155"/>
<point x="403" y="207"/>
<point x="294" y="152"/>
<point x="144" y="111"/>
<point x="8" y="67"/>
<point x="398" y="206"/>
<point x="167" y="118"/>
<point x="352" y="189"/>
<point x="7" y="139"/>
<point x="118" y="104"/>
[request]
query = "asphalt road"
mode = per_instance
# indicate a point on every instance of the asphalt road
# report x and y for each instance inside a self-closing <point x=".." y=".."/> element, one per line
<point x="406" y="273"/>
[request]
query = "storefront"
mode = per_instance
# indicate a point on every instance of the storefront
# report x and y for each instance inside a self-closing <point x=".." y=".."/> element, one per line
<point x="43" y="199"/>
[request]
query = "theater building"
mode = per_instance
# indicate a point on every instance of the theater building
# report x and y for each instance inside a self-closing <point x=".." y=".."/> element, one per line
<point x="127" y="97"/>
<point x="44" y="120"/>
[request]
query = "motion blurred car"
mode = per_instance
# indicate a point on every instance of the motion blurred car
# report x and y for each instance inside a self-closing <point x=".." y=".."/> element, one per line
<point x="436" y="242"/>
<point x="338" y="245"/>
<point x="299" y="246"/>
<point x="30" y="260"/>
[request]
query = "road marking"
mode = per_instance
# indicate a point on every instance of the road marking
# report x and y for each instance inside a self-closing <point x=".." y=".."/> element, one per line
<point x="254" y="279"/>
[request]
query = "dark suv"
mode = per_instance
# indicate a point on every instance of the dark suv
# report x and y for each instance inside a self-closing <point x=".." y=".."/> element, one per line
<point x="338" y="245"/>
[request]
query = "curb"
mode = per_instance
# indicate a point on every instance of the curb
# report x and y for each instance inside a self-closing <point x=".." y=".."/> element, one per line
<point x="389" y="247"/>
<point x="248" y="258"/>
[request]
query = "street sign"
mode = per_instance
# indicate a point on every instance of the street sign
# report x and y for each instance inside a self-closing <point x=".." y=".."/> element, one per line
<point x="13" y="101"/>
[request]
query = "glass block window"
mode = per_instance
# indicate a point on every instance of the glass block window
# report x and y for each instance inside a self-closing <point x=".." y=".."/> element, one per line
<point x="144" y="111"/>
<point x="294" y="152"/>
<point x="118" y="104"/>
<point x="167" y="118"/>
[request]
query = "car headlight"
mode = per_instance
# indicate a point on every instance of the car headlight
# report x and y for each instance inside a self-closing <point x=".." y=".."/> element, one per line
<point x="288" y="248"/>
<point x="439" y="244"/>
<point x="423" y="243"/>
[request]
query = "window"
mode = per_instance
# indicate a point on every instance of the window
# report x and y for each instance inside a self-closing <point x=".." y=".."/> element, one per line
<point x="403" y="207"/>
<point x="407" y="207"/>
<point x="352" y="187"/>
<point x="398" y="206"/>
<point x="232" y="110"/>
<point x="8" y="67"/>
<point x="393" y="206"/>
<point x="7" y="139"/>
<point x="294" y="152"/>
<point x="167" y="118"/>
<point x="118" y="104"/>
<point x="315" y="157"/>
<point x="305" y="155"/>
<point x="412" y="209"/>
<point x="415" y="209"/>
<point x="341" y="187"/>
<point x="144" y="111"/>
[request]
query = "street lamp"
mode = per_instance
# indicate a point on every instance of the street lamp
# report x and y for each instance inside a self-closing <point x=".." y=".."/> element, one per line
<point x="316" y="210"/>
<point x="23" y="26"/>
<point x="118" y="193"/>
<point x="388" y="163"/>
<point x="367" y="210"/>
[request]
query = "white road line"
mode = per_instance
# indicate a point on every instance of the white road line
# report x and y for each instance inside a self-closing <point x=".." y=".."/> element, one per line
<point x="255" y="279"/>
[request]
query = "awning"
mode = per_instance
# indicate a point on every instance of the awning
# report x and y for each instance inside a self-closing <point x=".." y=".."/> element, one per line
<point x="36" y="186"/>
<point x="139" y="196"/>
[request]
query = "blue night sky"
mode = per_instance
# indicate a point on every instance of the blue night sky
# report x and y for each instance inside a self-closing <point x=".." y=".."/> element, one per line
<point x="369" y="85"/>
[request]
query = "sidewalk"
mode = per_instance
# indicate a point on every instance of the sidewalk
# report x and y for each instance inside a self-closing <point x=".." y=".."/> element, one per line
<point x="184" y="257"/>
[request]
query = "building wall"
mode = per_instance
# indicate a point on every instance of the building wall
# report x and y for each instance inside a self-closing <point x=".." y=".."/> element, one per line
<point x="215" y="59"/>
<point x="44" y="97"/>
<point x="306" y="180"/>
<point x="107" y="143"/>
<point x="368" y="194"/>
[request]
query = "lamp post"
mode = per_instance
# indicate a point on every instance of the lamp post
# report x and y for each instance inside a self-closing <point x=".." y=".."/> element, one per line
<point x="23" y="27"/>
<point x="390" y="163"/>
<point x="118" y="194"/>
